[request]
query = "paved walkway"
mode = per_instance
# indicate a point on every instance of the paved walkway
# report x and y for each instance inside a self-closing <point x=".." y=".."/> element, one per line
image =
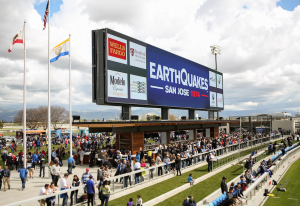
<point x="33" y="186"/>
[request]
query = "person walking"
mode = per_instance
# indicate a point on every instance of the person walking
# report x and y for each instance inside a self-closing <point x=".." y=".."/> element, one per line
<point x="23" y="173"/>
<point x="63" y="186"/>
<point x="55" y="171"/>
<point x="75" y="183"/>
<point x="6" y="178"/>
<point x="85" y="177"/>
<point x="90" y="187"/>
<point x="70" y="164"/>
<point x="1" y="176"/>
<point x="105" y="189"/>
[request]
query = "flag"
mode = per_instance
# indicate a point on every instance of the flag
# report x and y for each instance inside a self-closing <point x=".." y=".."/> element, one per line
<point x="46" y="15"/>
<point x="61" y="49"/>
<point x="17" y="39"/>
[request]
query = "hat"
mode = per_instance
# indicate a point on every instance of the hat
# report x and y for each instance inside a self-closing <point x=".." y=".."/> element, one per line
<point x="87" y="169"/>
<point x="224" y="178"/>
<point x="178" y="154"/>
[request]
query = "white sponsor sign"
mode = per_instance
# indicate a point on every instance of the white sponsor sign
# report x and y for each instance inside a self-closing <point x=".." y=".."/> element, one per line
<point x="212" y="79"/>
<point x="219" y="100"/>
<point x="219" y="81"/>
<point x="116" y="49"/>
<point x="137" y="55"/>
<point x="212" y="99"/>
<point x="138" y="87"/>
<point x="117" y="85"/>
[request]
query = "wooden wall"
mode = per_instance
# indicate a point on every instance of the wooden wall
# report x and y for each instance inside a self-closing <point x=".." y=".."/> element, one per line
<point x="137" y="141"/>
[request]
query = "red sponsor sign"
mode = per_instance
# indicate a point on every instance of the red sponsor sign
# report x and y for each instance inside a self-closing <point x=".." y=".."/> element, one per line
<point x="116" y="49"/>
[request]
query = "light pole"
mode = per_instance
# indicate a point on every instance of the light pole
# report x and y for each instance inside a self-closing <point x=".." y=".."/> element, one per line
<point x="216" y="50"/>
<point x="240" y="137"/>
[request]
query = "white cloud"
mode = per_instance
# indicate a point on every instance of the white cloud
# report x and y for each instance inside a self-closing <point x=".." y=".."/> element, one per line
<point x="259" y="46"/>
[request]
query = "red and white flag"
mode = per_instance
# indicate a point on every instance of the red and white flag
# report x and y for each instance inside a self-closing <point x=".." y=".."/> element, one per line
<point x="46" y="15"/>
<point x="17" y="39"/>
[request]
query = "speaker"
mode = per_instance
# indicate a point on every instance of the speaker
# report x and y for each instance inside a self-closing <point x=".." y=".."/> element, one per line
<point x="135" y="117"/>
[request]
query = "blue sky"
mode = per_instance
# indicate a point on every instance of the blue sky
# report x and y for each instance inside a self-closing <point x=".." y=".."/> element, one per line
<point x="54" y="7"/>
<point x="288" y="4"/>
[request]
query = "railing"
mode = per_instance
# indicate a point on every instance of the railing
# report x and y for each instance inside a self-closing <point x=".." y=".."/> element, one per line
<point x="259" y="182"/>
<point x="227" y="151"/>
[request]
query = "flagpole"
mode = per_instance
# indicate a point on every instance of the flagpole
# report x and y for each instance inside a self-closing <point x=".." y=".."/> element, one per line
<point x="70" y="95"/>
<point x="24" y="103"/>
<point x="49" y="110"/>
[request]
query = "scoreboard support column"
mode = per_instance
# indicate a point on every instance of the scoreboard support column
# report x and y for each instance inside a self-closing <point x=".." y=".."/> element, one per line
<point x="126" y="112"/>
<point x="164" y="113"/>
<point x="191" y="114"/>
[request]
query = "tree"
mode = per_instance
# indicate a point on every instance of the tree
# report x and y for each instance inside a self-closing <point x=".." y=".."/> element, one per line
<point x="172" y="117"/>
<point x="38" y="117"/>
<point x="1" y="125"/>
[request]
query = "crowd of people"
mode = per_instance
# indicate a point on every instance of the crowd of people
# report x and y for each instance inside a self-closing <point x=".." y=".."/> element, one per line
<point x="172" y="158"/>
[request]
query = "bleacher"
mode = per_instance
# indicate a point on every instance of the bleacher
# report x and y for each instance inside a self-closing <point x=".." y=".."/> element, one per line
<point x="221" y="198"/>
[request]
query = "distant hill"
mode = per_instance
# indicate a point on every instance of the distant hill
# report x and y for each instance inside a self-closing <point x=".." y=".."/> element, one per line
<point x="8" y="114"/>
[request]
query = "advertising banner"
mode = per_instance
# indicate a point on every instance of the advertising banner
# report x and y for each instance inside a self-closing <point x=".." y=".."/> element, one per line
<point x="212" y="79"/>
<point x="213" y="99"/>
<point x="138" y="87"/>
<point x="175" y="81"/>
<point x="116" y="49"/>
<point x="137" y="55"/>
<point x="219" y="81"/>
<point x="117" y="85"/>
<point x="219" y="100"/>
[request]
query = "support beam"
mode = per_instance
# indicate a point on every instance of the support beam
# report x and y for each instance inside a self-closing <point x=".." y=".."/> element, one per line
<point x="211" y="115"/>
<point x="126" y="112"/>
<point x="164" y="113"/>
<point x="191" y="114"/>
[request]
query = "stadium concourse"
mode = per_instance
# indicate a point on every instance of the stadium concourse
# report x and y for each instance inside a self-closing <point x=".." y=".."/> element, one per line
<point x="102" y="153"/>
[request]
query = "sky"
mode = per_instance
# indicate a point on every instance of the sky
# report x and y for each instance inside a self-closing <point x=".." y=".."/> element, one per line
<point x="259" y="40"/>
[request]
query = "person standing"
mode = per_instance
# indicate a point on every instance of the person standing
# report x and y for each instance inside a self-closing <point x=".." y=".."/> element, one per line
<point x="85" y="177"/>
<point x="137" y="166"/>
<point x="81" y="154"/>
<point x="90" y="187"/>
<point x="55" y="171"/>
<point x="63" y="186"/>
<point x="23" y="172"/>
<point x="105" y="189"/>
<point x="1" y="176"/>
<point x="178" y="164"/>
<point x="4" y="158"/>
<point x="209" y="161"/>
<point x="70" y="164"/>
<point x="75" y="183"/>
<point x="224" y="187"/>
<point x="158" y="161"/>
<point x="42" y="166"/>
<point x="6" y="178"/>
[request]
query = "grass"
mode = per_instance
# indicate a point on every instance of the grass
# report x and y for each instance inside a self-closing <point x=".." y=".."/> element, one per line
<point x="172" y="183"/>
<point x="204" y="188"/>
<point x="292" y="196"/>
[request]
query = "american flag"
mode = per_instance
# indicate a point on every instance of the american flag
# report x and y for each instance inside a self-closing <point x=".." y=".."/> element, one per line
<point x="46" y="15"/>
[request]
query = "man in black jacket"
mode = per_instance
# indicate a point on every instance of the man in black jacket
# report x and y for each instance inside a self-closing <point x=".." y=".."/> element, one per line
<point x="6" y="178"/>
<point x="42" y="166"/>
<point x="4" y="158"/>
<point x="224" y="187"/>
<point x="189" y="201"/>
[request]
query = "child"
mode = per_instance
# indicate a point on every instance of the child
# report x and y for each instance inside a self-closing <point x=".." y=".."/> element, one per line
<point x="139" y="201"/>
<point x="191" y="180"/>
<point x="130" y="203"/>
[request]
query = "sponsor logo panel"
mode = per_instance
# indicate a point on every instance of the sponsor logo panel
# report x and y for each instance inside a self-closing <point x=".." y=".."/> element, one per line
<point x="117" y="84"/>
<point x="116" y="49"/>
<point x="137" y="55"/>
<point x="212" y="79"/>
<point x="212" y="99"/>
<point x="138" y="87"/>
